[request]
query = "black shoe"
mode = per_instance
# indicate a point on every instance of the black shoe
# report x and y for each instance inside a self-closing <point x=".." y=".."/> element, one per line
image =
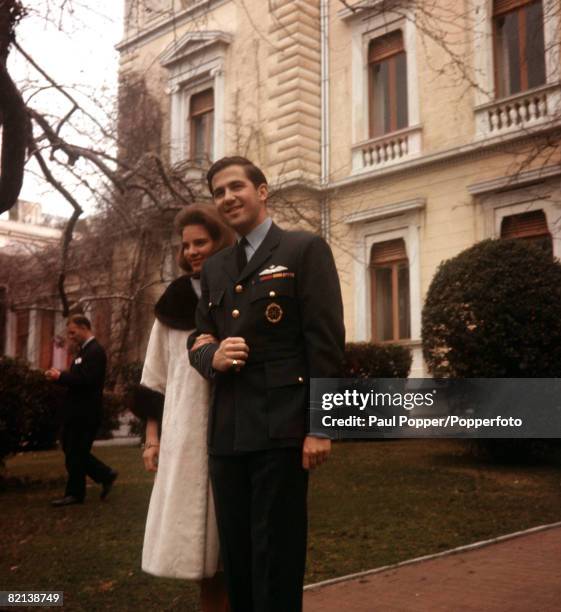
<point x="108" y="485"/>
<point x="67" y="500"/>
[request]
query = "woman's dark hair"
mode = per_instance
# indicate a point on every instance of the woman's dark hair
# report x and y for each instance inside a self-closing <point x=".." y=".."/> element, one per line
<point x="206" y="216"/>
<point x="252" y="172"/>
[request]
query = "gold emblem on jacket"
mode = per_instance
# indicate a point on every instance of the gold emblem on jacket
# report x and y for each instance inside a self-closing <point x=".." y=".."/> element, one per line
<point x="273" y="312"/>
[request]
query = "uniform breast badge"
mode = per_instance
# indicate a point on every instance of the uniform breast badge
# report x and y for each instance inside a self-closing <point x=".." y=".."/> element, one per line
<point x="273" y="312"/>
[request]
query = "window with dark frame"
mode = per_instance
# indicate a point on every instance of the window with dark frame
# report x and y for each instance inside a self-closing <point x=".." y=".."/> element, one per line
<point x="389" y="284"/>
<point x="529" y="226"/>
<point x="387" y="84"/>
<point x="3" y="318"/>
<point x="201" y="123"/>
<point x="22" y="333"/>
<point x="519" y="49"/>
<point x="46" y="339"/>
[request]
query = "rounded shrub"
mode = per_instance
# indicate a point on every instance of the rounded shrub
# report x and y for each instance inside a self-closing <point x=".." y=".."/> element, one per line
<point x="493" y="312"/>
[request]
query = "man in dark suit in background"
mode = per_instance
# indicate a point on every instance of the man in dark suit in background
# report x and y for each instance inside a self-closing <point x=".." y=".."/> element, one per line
<point x="273" y="302"/>
<point x="82" y="413"/>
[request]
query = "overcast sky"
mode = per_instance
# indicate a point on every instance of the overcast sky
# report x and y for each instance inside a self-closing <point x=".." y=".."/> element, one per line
<point x="76" y="48"/>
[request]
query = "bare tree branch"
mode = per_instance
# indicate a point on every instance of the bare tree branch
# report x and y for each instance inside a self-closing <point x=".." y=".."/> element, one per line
<point x="62" y="90"/>
<point x="68" y="231"/>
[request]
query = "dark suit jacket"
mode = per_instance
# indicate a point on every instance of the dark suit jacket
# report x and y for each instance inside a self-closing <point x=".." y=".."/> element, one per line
<point x="292" y="322"/>
<point x="84" y="381"/>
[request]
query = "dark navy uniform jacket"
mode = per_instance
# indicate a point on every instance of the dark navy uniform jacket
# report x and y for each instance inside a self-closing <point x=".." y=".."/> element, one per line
<point x="84" y="380"/>
<point x="287" y="306"/>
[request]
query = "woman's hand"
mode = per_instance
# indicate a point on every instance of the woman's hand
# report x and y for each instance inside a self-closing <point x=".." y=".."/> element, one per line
<point x="150" y="457"/>
<point x="151" y="452"/>
<point x="202" y="340"/>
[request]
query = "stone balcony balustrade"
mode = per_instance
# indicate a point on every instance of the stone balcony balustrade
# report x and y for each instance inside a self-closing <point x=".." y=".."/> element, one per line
<point x="522" y="111"/>
<point x="387" y="150"/>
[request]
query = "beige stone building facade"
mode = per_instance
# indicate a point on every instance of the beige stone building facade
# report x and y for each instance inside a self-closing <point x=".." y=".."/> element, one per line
<point x="29" y="332"/>
<point x="408" y="130"/>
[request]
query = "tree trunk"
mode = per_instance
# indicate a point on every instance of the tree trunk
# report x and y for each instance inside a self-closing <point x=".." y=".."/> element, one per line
<point x="13" y="114"/>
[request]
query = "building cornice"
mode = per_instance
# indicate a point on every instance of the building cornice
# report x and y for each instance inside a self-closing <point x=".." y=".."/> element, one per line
<point x="159" y="28"/>
<point x="479" y="148"/>
<point x="389" y="210"/>
<point x="350" y="11"/>
<point x="517" y="180"/>
<point x="18" y="230"/>
<point x="192" y="43"/>
<point x="281" y="185"/>
<point x="449" y="156"/>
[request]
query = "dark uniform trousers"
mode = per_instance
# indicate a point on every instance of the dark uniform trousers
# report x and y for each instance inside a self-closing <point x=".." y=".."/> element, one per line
<point x="260" y="500"/>
<point x="83" y="410"/>
<point x="286" y="303"/>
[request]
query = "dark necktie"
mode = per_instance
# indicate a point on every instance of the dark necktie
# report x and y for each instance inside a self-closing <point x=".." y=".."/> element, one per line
<point x="241" y="256"/>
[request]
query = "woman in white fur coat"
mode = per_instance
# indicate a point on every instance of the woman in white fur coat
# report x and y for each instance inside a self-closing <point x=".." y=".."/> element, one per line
<point x="181" y="538"/>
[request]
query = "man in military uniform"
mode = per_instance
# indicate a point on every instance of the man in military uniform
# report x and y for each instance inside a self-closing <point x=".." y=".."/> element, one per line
<point x="273" y="302"/>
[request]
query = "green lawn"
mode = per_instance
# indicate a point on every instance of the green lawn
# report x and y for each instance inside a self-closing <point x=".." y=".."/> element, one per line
<point x="372" y="504"/>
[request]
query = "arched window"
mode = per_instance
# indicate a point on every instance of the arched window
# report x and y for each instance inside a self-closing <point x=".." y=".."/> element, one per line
<point x="387" y="68"/>
<point x="389" y="282"/>
<point x="519" y="46"/>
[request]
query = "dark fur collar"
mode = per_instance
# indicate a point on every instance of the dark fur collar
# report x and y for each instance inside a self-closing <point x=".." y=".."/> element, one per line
<point x="176" y="307"/>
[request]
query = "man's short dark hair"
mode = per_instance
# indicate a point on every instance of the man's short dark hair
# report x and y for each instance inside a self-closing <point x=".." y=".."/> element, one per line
<point x="253" y="172"/>
<point x="79" y="320"/>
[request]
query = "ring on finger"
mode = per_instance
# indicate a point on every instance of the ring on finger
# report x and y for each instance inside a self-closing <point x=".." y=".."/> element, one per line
<point x="234" y="362"/>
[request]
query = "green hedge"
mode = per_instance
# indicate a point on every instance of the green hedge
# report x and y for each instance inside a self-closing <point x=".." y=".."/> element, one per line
<point x="30" y="408"/>
<point x="130" y="375"/>
<point x="113" y="407"/>
<point x="367" y="360"/>
<point x="124" y="378"/>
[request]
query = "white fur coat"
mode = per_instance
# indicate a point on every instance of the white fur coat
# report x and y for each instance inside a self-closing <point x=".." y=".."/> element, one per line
<point x="181" y="538"/>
